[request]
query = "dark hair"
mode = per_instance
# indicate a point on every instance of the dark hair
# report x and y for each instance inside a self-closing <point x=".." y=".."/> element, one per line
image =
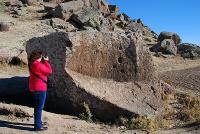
<point x="36" y="54"/>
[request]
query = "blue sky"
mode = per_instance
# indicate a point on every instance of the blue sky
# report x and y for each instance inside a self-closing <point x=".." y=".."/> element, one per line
<point x="180" y="16"/>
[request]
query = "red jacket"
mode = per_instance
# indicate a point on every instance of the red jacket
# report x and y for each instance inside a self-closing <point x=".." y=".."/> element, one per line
<point x="42" y="70"/>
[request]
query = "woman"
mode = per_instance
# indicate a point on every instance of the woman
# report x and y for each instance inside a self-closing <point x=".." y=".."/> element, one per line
<point x="39" y="69"/>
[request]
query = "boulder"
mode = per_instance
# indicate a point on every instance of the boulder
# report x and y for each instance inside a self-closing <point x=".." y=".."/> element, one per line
<point x="50" y="8"/>
<point x="108" y="71"/>
<point x="61" y="24"/>
<point x="113" y="9"/>
<point x="4" y="26"/>
<point x="137" y="26"/>
<point x="17" y="3"/>
<point x="123" y="17"/>
<point x="169" y="35"/>
<point x="7" y="53"/>
<point x="167" y="46"/>
<point x="32" y="2"/>
<point x="188" y="50"/>
<point x="100" y="5"/>
<point x="65" y="10"/>
<point x="87" y="17"/>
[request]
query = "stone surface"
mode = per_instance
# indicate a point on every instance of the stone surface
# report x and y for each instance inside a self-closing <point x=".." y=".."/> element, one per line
<point x="7" y="53"/>
<point x="149" y="35"/>
<point x="169" y="35"/>
<point x="100" y="5"/>
<point x="87" y="17"/>
<point x="32" y="2"/>
<point x="4" y="26"/>
<point x="188" y="50"/>
<point x="167" y="46"/>
<point x="17" y="3"/>
<point x="102" y="70"/>
<point x="50" y="8"/>
<point x="65" y="10"/>
<point x="113" y="9"/>
<point x="57" y="23"/>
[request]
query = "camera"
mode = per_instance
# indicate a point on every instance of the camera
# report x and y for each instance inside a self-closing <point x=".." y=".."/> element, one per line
<point x="43" y="57"/>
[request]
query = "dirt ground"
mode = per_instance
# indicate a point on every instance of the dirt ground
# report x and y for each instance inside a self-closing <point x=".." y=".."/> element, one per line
<point x="183" y="74"/>
<point x="65" y="124"/>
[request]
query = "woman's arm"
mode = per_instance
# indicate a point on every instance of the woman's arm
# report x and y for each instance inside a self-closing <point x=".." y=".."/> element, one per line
<point x="46" y="68"/>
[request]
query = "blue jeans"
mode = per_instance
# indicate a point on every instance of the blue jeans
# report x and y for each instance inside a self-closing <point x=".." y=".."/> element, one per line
<point x="39" y="101"/>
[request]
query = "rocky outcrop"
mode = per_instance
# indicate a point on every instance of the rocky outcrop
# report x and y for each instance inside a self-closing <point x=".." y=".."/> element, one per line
<point x="137" y="26"/>
<point x="13" y="56"/>
<point x="87" y="17"/>
<point x="57" y="23"/>
<point x="167" y="46"/>
<point x="65" y="10"/>
<point x="109" y="71"/>
<point x="188" y="50"/>
<point x="17" y="3"/>
<point x="98" y="15"/>
<point x="97" y="5"/>
<point x="169" y="35"/>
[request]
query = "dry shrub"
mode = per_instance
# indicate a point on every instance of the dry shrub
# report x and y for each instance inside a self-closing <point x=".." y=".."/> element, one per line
<point x="87" y="114"/>
<point x="14" y="112"/>
<point x="190" y="110"/>
<point x="144" y="123"/>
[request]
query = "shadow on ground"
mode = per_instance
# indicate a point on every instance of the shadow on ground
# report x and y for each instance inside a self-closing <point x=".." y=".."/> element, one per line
<point x="15" y="90"/>
<point x="20" y="126"/>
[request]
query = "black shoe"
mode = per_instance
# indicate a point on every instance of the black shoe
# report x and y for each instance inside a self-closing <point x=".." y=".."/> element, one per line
<point x="41" y="129"/>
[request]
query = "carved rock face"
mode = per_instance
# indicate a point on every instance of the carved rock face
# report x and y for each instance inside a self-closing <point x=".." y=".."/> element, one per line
<point x="92" y="67"/>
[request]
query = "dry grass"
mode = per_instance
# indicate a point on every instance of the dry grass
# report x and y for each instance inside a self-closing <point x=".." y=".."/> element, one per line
<point x="13" y="113"/>
<point x="87" y="114"/>
<point x="178" y="110"/>
<point x="190" y="110"/>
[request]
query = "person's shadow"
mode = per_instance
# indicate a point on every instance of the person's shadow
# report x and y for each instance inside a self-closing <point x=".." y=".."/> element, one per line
<point x="20" y="126"/>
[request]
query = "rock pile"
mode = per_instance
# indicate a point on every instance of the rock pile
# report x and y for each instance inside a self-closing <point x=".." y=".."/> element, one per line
<point x="97" y="15"/>
<point x="170" y="44"/>
<point x="188" y="50"/>
<point x="167" y="43"/>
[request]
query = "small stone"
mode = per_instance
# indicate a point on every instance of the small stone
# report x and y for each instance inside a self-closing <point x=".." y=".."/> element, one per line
<point x="4" y="26"/>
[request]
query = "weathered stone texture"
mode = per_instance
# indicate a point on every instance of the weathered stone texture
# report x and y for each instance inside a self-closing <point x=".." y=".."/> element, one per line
<point x="90" y="66"/>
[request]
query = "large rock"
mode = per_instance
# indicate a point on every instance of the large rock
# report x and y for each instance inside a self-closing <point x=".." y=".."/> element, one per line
<point x="57" y="23"/>
<point x="17" y="3"/>
<point x="87" y="17"/>
<point x="65" y="10"/>
<point x="149" y="35"/>
<point x="113" y="9"/>
<point x="97" y="5"/>
<point x="169" y="35"/>
<point x="4" y="26"/>
<point x="108" y="71"/>
<point x="32" y="2"/>
<point x="8" y="53"/>
<point x="167" y="46"/>
<point x="188" y="50"/>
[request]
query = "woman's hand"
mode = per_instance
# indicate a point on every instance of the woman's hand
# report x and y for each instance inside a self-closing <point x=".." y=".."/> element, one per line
<point x="39" y="59"/>
<point x="46" y="58"/>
